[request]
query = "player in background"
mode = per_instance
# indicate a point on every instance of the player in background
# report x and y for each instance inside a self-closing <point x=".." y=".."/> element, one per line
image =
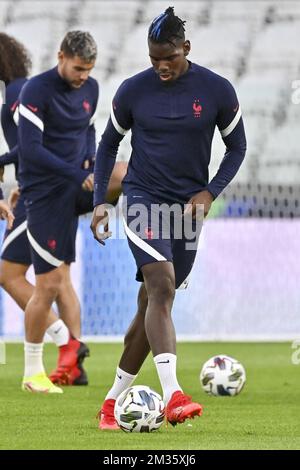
<point x="172" y="109"/>
<point x="15" y="65"/>
<point x="15" y="253"/>
<point x="5" y="211"/>
<point x="56" y="164"/>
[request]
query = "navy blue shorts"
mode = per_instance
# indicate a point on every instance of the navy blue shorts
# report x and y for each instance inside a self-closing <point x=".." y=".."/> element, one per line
<point x="52" y="229"/>
<point x="51" y="222"/>
<point x="84" y="202"/>
<point x="157" y="234"/>
<point x="15" y="246"/>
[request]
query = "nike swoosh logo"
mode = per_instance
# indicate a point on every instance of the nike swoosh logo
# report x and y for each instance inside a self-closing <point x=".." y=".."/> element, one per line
<point x="164" y="362"/>
<point x="235" y="109"/>
<point x="119" y="377"/>
<point x="57" y="331"/>
<point x="32" y="108"/>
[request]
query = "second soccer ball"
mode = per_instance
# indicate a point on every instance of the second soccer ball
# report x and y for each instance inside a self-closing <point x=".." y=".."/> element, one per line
<point x="222" y="376"/>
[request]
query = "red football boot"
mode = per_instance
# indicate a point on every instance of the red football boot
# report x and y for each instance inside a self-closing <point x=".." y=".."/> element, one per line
<point x="106" y="415"/>
<point x="180" y="407"/>
<point x="69" y="369"/>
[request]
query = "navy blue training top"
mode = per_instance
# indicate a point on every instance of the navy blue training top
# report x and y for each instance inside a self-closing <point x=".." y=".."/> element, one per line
<point x="56" y="132"/>
<point x="9" y="120"/>
<point x="172" y="128"/>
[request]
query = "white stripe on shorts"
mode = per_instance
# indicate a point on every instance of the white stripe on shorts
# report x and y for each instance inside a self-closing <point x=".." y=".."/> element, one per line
<point x="13" y="235"/>
<point x="185" y="283"/>
<point x="142" y="244"/>
<point x="45" y="255"/>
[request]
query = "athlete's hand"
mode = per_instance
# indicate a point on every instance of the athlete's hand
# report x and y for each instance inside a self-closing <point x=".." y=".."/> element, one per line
<point x="88" y="163"/>
<point x="5" y="213"/>
<point x="100" y="218"/>
<point x="88" y="184"/>
<point x="13" y="198"/>
<point x="205" y="198"/>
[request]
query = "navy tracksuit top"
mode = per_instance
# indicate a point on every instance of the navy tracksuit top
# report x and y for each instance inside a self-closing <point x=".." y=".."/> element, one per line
<point x="172" y="128"/>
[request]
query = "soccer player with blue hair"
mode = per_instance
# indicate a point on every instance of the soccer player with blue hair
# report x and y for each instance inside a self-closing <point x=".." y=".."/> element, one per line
<point x="172" y="110"/>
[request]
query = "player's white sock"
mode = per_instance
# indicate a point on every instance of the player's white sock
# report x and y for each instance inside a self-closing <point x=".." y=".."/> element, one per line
<point x="59" y="333"/>
<point x="122" y="381"/>
<point x="33" y="359"/>
<point x="166" y="368"/>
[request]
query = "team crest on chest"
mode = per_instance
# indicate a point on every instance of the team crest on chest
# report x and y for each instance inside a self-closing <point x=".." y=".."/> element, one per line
<point x="197" y="108"/>
<point x="86" y="106"/>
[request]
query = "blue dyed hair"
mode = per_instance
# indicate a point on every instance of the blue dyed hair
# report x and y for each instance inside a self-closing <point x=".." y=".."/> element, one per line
<point x="166" y="27"/>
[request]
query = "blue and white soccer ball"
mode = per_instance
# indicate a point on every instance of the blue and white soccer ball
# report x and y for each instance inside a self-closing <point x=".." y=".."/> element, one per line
<point x="222" y="376"/>
<point x="139" y="409"/>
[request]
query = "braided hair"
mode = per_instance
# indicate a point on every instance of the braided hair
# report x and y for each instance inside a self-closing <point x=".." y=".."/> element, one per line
<point x="166" y="27"/>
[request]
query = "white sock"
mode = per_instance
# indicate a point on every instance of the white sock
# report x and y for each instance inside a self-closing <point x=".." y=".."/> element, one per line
<point x="122" y="381"/>
<point x="59" y="333"/>
<point x="166" y="369"/>
<point x="33" y="359"/>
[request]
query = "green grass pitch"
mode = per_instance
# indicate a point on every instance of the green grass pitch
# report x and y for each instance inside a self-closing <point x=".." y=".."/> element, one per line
<point x="266" y="415"/>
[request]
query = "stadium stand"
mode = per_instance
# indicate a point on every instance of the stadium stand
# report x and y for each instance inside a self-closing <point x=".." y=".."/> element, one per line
<point x="254" y="44"/>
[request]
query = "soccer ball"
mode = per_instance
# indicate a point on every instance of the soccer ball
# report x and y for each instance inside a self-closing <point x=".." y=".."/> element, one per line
<point x="222" y="376"/>
<point x="139" y="409"/>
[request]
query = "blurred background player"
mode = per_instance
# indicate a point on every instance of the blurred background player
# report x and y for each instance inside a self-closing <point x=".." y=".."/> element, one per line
<point x="172" y="110"/>
<point x="16" y="258"/>
<point x="71" y="73"/>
